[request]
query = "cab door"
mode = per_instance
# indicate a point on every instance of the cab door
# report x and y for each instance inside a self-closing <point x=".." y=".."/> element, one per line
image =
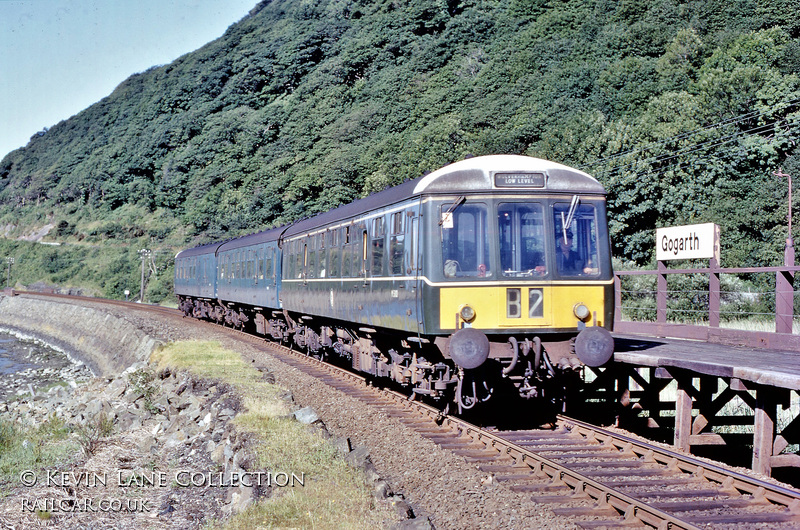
<point x="415" y="265"/>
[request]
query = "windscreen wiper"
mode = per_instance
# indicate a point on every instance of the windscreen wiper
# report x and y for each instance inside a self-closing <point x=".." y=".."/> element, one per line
<point x="458" y="202"/>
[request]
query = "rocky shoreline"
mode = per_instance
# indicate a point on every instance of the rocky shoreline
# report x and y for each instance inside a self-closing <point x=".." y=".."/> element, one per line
<point x="176" y="462"/>
<point x="33" y="364"/>
<point x="156" y="431"/>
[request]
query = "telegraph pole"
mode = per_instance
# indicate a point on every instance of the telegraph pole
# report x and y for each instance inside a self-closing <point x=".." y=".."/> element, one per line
<point x="144" y="255"/>
<point x="10" y="262"/>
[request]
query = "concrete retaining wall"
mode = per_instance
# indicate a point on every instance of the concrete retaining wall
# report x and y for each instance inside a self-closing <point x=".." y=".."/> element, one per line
<point x="105" y="343"/>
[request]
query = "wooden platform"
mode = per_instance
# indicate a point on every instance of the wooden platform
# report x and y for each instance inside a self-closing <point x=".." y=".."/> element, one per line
<point x="761" y="366"/>
<point x="721" y="395"/>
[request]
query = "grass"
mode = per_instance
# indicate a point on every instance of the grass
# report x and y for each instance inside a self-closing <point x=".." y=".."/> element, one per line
<point x="33" y="449"/>
<point x="335" y="495"/>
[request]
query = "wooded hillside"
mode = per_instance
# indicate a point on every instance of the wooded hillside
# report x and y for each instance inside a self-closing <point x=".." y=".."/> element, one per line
<point x="682" y="109"/>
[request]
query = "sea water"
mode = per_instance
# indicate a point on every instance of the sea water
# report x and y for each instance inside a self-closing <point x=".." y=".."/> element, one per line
<point x="14" y="356"/>
<point x="27" y="363"/>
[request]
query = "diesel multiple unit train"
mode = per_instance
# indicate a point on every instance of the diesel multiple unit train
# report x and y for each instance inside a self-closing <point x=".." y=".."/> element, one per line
<point x="492" y="271"/>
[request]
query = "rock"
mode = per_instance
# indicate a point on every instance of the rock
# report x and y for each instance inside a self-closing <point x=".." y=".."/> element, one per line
<point x="218" y="454"/>
<point x="342" y="445"/>
<point x="306" y="415"/>
<point x="241" y="498"/>
<point x="176" y="438"/>
<point x="382" y="489"/>
<point x="125" y="419"/>
<point x="117" y="388"/>
<point x="147" y="444"/>
<point x="369" y="470"/>
<point x="192" y="413"/>
<point x="227" y="451"/>
<point x="401" y="507"/>
<point x="358" y="457"/>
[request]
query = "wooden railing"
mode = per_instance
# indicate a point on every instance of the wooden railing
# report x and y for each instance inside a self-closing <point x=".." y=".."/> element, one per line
<point x="781" y="338"/>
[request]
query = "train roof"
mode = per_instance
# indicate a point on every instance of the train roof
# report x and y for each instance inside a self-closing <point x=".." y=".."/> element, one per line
<point x="492" y="173"/>
<point x="266" y="236"/>
<point x="507" y="172"/>
<point x="201" y="250"/>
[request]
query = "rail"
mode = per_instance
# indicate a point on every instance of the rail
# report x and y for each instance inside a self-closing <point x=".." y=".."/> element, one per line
<point x="782" y="338"/>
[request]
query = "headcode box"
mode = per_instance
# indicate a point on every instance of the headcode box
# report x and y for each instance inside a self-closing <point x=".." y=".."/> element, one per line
<point x="687" y="242"/>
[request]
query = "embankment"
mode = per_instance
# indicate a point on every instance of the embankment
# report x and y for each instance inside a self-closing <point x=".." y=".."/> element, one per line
<point x="105" y="343"/>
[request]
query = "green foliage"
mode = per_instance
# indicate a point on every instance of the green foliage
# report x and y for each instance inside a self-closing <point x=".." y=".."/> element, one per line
<point x="143" y="382"/>
<point x="32" y="448"/>
<point x="90" y="433"/>
<point x="682" y="109"/>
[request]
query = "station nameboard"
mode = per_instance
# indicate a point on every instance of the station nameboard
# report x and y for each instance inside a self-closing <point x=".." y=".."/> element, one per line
<point x="687" y="242"/>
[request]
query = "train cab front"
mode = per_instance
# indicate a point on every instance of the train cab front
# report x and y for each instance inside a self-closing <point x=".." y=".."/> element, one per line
<point x="526" y="292"/>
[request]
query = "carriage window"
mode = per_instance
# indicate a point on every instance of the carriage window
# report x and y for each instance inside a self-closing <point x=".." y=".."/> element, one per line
<point x="334" y="257"/>
<point x="289" y="261"/>
<point x="378" y="241"/>
<point x="522" y="240"/>
<point x="322" y="256"/>
<point x="396" y="244"/>
<point x="465" y="241"/>
<point x="299" y="256"/>
<point x="311" y="267"/>
<point x="576" y="239"/>
<point x="346" y="257"/>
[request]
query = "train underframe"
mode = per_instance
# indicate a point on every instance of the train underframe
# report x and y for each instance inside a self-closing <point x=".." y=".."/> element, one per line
<point x="443" y="369"/>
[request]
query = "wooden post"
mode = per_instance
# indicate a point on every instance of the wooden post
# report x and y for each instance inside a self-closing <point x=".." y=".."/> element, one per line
<point x="764" y="430"/>
<point x="683" y="418"/>
<point x="784" y="292"/>
<point x="617" y="298"/>
<point x="713" y="282"/>
<point x="713" y="293"/>
<point x="661" y="294"/>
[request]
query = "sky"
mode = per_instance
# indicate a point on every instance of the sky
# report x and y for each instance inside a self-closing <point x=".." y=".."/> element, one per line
<point x="58" y="57"/>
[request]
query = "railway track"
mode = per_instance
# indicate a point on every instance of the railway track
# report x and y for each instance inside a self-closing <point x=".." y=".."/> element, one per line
<point x="594" y="477"/>
<point x="591" y="476"/>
